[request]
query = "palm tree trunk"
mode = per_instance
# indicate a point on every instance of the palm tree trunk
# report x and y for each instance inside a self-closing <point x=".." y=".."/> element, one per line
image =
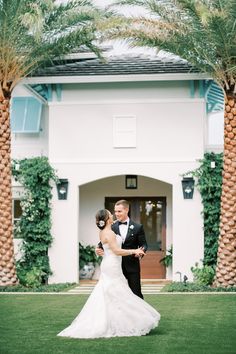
<point x="226" y="257"/>
<point x="7" y="265"/>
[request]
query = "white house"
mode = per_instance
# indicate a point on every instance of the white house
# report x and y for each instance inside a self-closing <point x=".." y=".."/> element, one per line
<point x="99" y="123"/>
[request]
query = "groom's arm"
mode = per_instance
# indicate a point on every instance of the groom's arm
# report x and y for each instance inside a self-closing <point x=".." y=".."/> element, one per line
<point x="142" y="242"/>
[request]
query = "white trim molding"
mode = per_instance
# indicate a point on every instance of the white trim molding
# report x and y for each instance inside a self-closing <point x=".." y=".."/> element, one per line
<point x="115" y="78"/>
<point x="128" y="101"/>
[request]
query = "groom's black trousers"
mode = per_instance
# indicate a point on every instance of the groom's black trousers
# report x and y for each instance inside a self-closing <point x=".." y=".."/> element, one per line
<point x="134" y="282"/>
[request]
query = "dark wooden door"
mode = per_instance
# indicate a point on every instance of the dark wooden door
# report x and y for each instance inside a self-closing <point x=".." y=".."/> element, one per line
<point x="151" y="212"/>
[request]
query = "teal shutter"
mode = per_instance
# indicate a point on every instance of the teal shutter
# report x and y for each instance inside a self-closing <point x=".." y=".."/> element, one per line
<point x="214" y="97"/>
<point x="25" y="115"/>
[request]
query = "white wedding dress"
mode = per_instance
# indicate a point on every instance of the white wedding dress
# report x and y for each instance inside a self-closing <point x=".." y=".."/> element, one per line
<point x="112" y="310"/>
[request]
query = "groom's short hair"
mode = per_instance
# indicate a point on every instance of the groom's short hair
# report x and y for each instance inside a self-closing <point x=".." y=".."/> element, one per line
<point x="123" y="202"/>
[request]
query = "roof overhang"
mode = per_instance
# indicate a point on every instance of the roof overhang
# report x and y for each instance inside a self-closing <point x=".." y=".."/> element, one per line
<point x="114" y="78"/>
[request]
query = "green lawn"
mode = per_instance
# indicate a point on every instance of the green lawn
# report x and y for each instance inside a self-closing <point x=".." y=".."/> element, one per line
<point x="190" y="324"/>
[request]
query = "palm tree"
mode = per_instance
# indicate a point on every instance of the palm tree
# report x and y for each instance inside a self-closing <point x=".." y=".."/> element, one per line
<point x="204" y="33"/>
<point x="33" y="32"/>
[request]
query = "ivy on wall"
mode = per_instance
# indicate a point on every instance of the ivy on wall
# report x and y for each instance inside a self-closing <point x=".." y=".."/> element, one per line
<point x="34" y="226"/>
<point x="209" y="183"/>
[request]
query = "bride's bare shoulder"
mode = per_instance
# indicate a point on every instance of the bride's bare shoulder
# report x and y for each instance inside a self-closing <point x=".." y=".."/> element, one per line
<point x="106" y="236"/>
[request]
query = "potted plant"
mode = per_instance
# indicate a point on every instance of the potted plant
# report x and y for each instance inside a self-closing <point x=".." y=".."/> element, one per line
<point x="87" y="261"/>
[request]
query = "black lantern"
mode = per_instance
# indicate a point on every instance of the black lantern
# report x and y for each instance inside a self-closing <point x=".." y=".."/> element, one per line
<point x="131" y="182"/>
<point x="62" y="189"/>
<point x="188" y="187"/>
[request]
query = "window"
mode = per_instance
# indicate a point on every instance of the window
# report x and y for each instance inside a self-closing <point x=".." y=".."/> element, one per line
<point x="25" y="115"/>
<point x="17" y="212"/>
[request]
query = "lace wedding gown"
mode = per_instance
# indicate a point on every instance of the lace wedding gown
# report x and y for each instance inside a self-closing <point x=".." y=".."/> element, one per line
<point x="112" y="310"/>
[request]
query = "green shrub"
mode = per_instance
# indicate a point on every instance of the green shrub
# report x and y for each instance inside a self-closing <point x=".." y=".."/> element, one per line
<point x="41" y="288"/>
<point x="31" y="278"/>
<point x="193" y="287"/>
<point x="203" y="275"/>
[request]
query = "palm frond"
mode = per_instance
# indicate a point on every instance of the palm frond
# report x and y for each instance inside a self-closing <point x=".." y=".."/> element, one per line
<point x="34" y="32"/>
<point x="202" y="32"/>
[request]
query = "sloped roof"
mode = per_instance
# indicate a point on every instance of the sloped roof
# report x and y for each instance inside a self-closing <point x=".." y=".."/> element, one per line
<point x="88" y="68"/>
<point x="117" y="65"/>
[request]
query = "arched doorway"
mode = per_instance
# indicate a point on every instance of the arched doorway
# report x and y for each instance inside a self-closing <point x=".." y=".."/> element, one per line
<point x="151" y="204"/>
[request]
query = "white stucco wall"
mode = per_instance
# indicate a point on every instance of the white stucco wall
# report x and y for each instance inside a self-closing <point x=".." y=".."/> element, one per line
<point x="167" y="130"/>
<point x="125" y="90"/>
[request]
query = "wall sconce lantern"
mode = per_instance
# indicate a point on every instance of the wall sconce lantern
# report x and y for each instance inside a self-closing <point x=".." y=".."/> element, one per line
<point x="131" y="182"/>
<point x="62" y="189"/>
<point x="188" y="187"/>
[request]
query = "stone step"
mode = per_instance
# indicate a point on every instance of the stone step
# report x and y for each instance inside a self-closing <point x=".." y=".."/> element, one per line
<point x="88" y="291"/>
<point x="149" y="286"/>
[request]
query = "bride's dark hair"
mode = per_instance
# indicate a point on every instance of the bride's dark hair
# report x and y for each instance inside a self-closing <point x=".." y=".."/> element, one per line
<point x="101" y="218"/>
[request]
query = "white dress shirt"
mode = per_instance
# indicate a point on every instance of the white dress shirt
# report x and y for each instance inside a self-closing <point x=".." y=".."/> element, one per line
<point x="123" y="230"/>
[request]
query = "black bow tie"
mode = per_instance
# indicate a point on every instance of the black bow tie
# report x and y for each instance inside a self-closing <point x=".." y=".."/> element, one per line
<point x="122" y="223"/>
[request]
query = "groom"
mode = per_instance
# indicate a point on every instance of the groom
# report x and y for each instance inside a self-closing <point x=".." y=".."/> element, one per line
<point x="133" y="236"/>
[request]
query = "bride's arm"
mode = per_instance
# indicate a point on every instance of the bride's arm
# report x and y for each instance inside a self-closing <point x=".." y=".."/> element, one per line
<point x="111" y="239"/>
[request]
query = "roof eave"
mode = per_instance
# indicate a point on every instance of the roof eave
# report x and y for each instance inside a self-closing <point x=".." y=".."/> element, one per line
<point x="114" y="78"/>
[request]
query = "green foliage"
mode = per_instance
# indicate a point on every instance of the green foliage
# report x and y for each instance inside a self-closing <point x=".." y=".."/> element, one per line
<point x="87" y="254"/>
<point x="203" y="275"/>
<point x="201" y="32"/>
<point x="41" y="288"/>
<point x="33" y="33"/>
<point x="29" y="277"/>
<point x="167" y="260"/>
<point x="210" y="186"/>
<point x="194" y="287"/>
<point x="33" y="278"/>
<point x="34" y="227"/>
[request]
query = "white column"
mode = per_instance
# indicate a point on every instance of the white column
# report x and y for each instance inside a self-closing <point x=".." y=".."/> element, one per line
<point x="64" y="253"/>
<point x="188" y="237"/>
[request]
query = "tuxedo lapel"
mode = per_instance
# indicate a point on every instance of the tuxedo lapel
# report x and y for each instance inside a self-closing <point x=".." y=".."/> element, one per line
<point x="115" y="228"/>
<point x="130" y="231"/>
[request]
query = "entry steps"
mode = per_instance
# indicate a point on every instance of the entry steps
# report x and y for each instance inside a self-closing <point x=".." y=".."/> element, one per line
<point x="149" y="286"/>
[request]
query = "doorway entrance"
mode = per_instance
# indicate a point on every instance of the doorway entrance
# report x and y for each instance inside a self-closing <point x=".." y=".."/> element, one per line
<point x="151" y="212"/>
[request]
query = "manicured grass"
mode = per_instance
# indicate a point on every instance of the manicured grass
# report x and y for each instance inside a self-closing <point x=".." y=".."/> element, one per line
<point x="190" y="324"/>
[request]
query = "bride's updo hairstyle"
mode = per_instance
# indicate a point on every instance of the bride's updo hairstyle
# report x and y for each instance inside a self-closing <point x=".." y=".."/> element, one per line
<point x="101" y="218"/>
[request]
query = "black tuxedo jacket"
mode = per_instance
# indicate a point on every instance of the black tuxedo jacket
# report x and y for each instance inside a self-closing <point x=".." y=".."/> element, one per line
<point x="135" y="238"/>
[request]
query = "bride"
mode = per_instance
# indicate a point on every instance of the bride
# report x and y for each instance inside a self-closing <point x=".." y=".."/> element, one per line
<point x="112" y="310"/>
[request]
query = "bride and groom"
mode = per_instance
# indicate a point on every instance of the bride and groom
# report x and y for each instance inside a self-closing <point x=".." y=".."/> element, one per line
<point x="116" y="307"/>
